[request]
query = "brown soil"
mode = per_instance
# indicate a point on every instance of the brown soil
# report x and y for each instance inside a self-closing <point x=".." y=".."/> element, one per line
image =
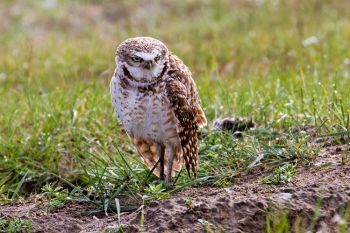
<point x="242" y="207"/>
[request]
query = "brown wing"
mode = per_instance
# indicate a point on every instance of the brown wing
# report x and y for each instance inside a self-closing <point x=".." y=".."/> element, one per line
<point x="186" y="114"/>
<point x="182" y="94"/>
<point x="180" y="72"/>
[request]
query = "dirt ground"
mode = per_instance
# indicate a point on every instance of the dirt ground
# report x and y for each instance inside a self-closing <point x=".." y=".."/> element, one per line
<point x="242" y="207"/>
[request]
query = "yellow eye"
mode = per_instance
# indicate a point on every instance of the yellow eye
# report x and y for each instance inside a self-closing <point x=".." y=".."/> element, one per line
<point x="136" y="59"/>
<point x="157" y="58"/>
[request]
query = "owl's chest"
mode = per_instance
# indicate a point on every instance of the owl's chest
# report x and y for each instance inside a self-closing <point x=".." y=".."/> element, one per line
<point x="142" y="113"/>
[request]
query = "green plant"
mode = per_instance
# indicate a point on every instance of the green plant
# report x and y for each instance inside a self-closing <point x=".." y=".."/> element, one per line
<point x="209" y="227"/>
<point x="142" y="214"/>
<point x="344" y="157"/>
<point x="282" y="175"/>
<point x="14" y="225"/>
<point x="120" y="227"/>
<point x="57" y="196"/>
<point x="188" y="201"/>
<point x="344" y="225"/>
<point x="155" y="192"/>
<point x="278" y="222"/>
<point x="4" y="200"/>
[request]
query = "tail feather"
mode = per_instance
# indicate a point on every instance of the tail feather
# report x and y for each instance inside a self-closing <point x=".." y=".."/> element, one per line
<point x="189" y="144"/>
<point x="200" y="117"/>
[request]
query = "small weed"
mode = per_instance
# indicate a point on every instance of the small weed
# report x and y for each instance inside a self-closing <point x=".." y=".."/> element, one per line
<point x="142" y="214"/>
<point x="344" y="157"/>
<point x="345" y="220"/>
<point x="209" y="227"/>
<point x="282" y="175"/>
<point x="155" y="192"/>
<point x="57" y="196"/>
<point x="223" y="156"/>
<point x="120" y="228"/>
<point x="316" y="214"/>
<point x="277" y="222"/>
<point x="4" y="200"/>
<point x="283" y="221"/>
<point x="222" y="183"/>
<point x="188" y="201"/>
<point x="14" y="225"/>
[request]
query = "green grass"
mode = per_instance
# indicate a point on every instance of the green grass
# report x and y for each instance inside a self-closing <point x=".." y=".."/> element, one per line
<point x="14" y="225"/>
<point x="282" y="175"/>
<point x="281" y="221"/>
<point x="248" y="58"/>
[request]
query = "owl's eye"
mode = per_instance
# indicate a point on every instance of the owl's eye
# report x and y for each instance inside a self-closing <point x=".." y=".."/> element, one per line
<point x="157" y="58"/>
<point x="136" y="59"/>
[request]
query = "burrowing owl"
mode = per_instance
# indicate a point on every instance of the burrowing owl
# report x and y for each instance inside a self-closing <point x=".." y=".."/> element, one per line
<point x="156" y="100"/>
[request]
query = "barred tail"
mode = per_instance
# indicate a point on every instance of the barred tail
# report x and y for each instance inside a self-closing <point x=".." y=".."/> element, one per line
<point x="189" y="144"/>
<point x="200" y="115"/>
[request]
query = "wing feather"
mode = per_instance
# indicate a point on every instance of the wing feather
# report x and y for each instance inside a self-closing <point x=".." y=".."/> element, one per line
<point x="182" y="94"/>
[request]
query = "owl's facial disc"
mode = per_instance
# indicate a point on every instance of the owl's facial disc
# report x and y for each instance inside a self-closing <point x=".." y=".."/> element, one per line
<point x="145" y="60"/>
<point x="145" y="66"/>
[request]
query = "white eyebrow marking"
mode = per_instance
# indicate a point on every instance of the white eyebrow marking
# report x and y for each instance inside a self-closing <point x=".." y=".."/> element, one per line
<point x="146" y="56"/>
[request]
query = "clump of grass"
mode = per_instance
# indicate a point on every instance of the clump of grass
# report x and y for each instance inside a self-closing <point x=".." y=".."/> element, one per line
<point x="4" y="200"/>
<point x="278" y="222"/>
<point x="345" y="221"/>
<point x="283" y="221"/>
<point x="223" y="156"/>
<point x="345" y="156"/>
<point x="109" y="177"/>
<point x="282" y="175"/>
<point x="119" y="228"/>
<point x="14" y="225"/>
<point x="156" y="192"/>
<point x="57" y="196"/>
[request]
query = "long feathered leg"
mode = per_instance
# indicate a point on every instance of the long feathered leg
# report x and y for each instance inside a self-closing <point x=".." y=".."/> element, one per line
<point x="161" y="152"/>
<point x="170" y="153"/>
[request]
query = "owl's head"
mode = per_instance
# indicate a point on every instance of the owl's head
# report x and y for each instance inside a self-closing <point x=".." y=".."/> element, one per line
<point x="143" y="57"/>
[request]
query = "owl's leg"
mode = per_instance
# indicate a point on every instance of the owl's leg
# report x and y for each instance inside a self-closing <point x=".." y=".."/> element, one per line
<point x="170" y="152"/>
<point x="160" y="152"/>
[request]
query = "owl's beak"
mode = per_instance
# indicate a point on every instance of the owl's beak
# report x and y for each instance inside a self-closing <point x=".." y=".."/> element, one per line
<point x="148" y="65"/>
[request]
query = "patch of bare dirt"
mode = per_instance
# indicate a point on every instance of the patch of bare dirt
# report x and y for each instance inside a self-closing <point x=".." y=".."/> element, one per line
<point x="242" y="207"/>
<point x="67" y="219"/>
